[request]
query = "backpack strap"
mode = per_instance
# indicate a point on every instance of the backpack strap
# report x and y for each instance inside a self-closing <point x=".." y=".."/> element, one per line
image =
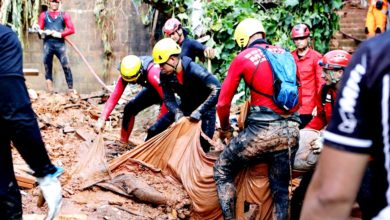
<point x="324" y="92"/>
<point x="254" y="73"/>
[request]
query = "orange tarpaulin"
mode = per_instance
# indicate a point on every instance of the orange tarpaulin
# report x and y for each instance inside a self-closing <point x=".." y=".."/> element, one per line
<point x="178" y="153"/>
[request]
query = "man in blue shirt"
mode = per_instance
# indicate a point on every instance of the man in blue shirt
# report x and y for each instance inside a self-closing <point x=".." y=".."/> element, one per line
<point x="19" y="126"/>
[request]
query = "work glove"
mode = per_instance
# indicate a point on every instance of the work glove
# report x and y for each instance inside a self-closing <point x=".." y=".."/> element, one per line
<point x="209" y="53"/>
<point x="99" y="126"/>
<point x="178" y="115"/>
<point x="226" y="134"/>
<point x="195" y="116"/>
<point x="47" y="32"/>
<point x="56" y="34"/>
<point x="51" y="190"/>
<point x="316" y="146"/>
<point x="36" y="27"/>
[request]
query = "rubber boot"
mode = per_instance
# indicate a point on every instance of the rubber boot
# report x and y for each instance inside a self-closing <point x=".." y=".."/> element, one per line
<point x="49" y="86"/>
<point x="125" y="133"/>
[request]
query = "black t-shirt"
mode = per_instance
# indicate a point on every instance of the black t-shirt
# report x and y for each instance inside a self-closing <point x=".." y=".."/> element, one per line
<point x="11" y="56"/>
<point x="360" y="120"/>
<point x="199" y="88"/>
<point x="191" y="48"/>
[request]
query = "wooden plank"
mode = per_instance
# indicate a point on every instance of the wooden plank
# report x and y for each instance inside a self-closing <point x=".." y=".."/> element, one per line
<point x="25" y="185"/>
<point x="25" y="178"/>
<point x="30" y="72"/>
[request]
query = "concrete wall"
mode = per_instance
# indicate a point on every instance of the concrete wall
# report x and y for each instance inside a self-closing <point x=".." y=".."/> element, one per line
<point x="132" y="37"/>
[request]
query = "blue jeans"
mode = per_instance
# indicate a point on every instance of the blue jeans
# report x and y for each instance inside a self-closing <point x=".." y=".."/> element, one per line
<point x="59" y="49"/>
<point x="273" y="142"/>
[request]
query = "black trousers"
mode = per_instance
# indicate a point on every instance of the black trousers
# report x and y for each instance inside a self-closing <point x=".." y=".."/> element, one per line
<point x="19" y="126"/>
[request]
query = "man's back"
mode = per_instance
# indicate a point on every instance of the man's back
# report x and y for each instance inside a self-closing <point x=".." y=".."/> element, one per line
<point x="10" y="53"/>
<point x="360" y="123"/>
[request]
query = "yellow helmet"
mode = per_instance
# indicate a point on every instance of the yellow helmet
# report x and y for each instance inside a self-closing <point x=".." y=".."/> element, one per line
<point x="130" y="68"/>
<point x="164" y="49"/>
<point x="245" y="29"/>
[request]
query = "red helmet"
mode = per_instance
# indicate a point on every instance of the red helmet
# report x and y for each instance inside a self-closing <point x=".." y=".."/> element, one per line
<point x="171" y="25"/>
<point x="300" y="30"/>
<point x="335" y="59"/>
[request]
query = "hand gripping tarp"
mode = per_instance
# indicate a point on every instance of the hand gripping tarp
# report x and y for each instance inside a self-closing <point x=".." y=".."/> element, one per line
<point x="178" y="153"/>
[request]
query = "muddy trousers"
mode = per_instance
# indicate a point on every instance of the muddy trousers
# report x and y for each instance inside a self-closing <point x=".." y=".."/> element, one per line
<point x="251" y="146"/>
<point x="19" y="126"/>
<point x="144" y="99"/>
<point x="208" y="125"/>
<point x="51" y="48"/>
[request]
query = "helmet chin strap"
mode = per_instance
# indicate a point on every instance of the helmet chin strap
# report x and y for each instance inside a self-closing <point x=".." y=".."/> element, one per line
<point x="305" y="48"/>
<point x="334" y="80"/>
<point x="174" y="67"/>
<point x="177" y="31"/>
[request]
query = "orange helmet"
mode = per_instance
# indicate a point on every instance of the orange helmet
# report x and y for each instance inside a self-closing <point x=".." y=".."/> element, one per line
<point x="300" y="30"/>
<point x="170" y="26"/>
<point x="335" y="59"/>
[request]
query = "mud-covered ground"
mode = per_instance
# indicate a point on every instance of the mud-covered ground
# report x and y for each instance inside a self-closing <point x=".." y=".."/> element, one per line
<point x="66" y="124"/>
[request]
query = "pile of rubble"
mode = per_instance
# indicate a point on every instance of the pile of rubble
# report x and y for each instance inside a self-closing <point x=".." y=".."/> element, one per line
<point x="66" y="124"/>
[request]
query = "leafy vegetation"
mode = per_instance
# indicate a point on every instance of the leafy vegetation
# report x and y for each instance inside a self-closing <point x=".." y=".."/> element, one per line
<point x="19" y="15"/>
<point x="222" y="16"/>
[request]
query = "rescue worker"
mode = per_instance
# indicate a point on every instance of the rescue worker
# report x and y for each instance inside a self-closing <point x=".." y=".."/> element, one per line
<point x="358" y="130"/>
<point x="333" y="64"/>
<point x="376" y="17"/>
<point x="56" y="25"/>
<point x="134" y="70"/>
<point x="309" y="71"/>
<point x="270" y="134"/>
<point x="19" y="125"/>
<point x="189" y="47"/>
<point x="197" y="88"/>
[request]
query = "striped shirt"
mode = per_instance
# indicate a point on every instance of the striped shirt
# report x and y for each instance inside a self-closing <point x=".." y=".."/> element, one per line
<point x="360" y="120"/>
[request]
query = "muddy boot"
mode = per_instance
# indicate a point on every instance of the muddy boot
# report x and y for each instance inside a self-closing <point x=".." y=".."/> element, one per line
<point x="49" y="86"/>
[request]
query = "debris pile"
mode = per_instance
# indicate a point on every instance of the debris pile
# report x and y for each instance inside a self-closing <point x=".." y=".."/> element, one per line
<point x="66" y="124"/>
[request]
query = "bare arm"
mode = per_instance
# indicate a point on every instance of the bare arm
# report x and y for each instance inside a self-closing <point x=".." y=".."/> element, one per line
<point x="334" y="186"/>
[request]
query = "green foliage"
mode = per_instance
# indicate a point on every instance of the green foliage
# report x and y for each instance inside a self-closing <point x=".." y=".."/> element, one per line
<point x="222" y="16"/>
<point x="19" y="15"/>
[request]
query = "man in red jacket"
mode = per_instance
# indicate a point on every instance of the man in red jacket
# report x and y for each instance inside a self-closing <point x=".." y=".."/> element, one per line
<point x="270" y="133"/>
<point x="134" y="70"/>
<point x="309" y="71"/>
<point x="56" y="25"/>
